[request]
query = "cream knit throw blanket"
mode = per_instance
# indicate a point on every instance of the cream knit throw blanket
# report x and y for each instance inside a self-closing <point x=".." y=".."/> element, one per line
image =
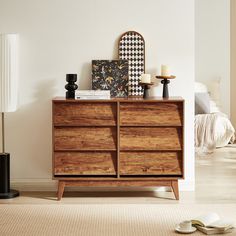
<point x="205" y="141"/>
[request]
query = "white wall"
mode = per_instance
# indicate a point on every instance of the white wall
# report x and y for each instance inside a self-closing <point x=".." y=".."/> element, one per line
<point x="61" y="36"/>
<point x="233" y="64"/>
<point x="212" y="20"/>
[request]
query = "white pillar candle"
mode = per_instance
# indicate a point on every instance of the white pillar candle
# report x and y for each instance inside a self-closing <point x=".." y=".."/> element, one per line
<point x="165" y="70"/>
<point x="146" y="78"/>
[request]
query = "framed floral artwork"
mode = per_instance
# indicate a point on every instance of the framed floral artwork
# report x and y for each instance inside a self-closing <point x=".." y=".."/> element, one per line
<point x="111" y="75"/>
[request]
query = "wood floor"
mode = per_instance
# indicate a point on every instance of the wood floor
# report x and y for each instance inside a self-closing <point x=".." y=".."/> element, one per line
<point x="216" y="176"/>
<point x="215" y="183"/>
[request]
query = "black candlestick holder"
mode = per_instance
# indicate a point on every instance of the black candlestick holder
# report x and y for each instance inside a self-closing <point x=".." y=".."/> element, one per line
<point x="146" y="87"/>
<point x="165" y="80"/>
<point x="71" y="86"/>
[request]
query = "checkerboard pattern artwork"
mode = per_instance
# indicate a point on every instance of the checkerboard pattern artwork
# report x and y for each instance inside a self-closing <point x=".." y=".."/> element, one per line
<point x="132" y="48"/>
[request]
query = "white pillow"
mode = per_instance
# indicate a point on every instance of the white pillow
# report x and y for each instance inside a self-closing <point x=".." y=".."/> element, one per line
<point x="202" y="103"/>
<point x="213" y="107"/>
<point x="200" y="88"/>
<point x="214" y="89"/>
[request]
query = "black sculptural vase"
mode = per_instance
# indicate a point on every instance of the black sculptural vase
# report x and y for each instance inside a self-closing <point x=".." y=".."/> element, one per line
<point x="71" y="86"/>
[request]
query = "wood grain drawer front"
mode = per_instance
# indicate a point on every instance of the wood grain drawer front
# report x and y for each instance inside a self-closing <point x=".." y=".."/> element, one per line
<point x="80" y="138"/>
<point x="154" y="138"/>
<point x="151" y="163"/>
<point x="85" y="114"/>
<point x="85" y="163"/>
<point x="152" y="114"/>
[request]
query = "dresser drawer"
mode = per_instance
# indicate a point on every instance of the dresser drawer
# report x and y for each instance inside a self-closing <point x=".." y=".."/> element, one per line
<point x="151" y="163"/>
<point x="80" y="138"/>
<point x="85" y="114"/>
<point x="154" y="138"/>
<point x="84" y="163"/>
<point x="151" y="114"/>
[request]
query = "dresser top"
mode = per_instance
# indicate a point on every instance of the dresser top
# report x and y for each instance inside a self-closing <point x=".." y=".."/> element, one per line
<point x="130" y="99"/>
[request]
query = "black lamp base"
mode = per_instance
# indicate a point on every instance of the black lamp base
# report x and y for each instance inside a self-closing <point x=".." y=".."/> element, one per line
<point x="13" y="193"/>
<point x="5" y="191"/>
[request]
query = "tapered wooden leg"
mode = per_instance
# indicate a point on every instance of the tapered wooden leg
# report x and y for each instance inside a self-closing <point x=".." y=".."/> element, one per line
<point x="61" y="186"/>
<point x="175" y="187"/>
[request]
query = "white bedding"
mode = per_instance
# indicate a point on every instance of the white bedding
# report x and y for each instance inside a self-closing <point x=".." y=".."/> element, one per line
<point x="211" y="131"/>
<point x="224" y="130"/>
<point x="204" y="126"/>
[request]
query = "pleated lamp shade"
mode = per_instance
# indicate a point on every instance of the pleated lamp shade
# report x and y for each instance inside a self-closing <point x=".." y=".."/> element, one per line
<point x="8" y="72"/>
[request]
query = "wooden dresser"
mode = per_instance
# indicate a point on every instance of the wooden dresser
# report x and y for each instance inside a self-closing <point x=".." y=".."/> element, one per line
<point x="118" y="142"/>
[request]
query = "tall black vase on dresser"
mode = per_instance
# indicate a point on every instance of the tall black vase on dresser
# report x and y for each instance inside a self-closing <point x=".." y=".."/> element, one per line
<point x="71" y="86"/>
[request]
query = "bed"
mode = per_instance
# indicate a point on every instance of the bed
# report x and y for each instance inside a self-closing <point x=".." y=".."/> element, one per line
<point x="213" y="129"/>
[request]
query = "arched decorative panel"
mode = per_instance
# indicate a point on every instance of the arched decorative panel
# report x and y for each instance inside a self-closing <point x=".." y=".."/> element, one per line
<point x="132" y="48"/>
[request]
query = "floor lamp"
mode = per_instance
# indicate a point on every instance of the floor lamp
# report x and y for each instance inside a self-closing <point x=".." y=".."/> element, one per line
<point x="8" y="103"/>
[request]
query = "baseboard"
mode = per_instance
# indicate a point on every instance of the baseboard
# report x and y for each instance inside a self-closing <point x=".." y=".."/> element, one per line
<point x="34" y="185"/>
<point x="51" y="185"/>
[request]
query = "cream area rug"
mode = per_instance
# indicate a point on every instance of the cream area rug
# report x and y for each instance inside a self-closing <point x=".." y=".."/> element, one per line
<point x="102" y="219"/>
